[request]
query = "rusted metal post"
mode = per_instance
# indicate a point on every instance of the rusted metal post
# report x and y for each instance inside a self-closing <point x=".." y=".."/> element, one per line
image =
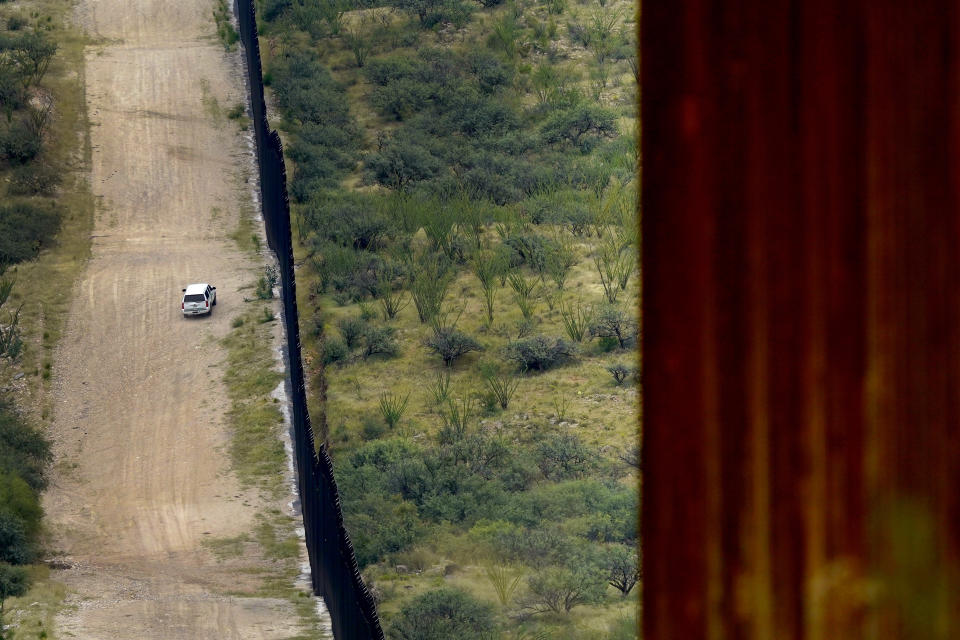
<point x="801" y="279"/>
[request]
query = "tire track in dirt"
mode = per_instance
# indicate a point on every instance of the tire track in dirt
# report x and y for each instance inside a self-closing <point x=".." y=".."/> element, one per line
<point x="140" y="431"/>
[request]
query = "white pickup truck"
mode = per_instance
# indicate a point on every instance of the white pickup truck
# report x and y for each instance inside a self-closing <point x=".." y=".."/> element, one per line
<point x="198" y="299"/>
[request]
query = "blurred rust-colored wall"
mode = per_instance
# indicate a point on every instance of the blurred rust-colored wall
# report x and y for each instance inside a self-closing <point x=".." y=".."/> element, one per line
<point x="801" y="314"/>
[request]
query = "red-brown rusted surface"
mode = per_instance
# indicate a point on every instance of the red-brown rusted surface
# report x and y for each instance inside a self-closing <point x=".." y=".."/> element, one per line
<point x="801" y="279"/>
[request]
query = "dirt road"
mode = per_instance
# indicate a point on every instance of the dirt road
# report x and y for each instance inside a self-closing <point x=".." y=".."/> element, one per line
<point x="143" y="473"/>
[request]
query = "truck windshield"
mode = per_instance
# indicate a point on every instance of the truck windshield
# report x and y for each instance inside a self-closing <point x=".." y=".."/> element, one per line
<point x="193" y="297"/>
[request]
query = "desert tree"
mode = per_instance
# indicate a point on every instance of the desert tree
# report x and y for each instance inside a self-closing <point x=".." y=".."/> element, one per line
<point x="612" y="322"/>
<point x="622" y="567"/>
<point x="560" y="589"/>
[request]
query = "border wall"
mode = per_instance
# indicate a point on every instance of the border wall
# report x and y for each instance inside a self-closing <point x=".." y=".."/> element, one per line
<point x="334" y="572"/>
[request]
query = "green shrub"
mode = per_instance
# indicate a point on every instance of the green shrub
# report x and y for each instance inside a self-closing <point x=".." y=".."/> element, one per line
<point x="349" y="220"/>
<point x="11" y="338"/>
<point x="18" y="144"/>
<point x="539" y="353"/>
<point x="317" y="167"/>
<point x="237" y="111"/>
<point x="31" y="53"/>
<point x="383" y="71"/>
<point x="221" y="15"/>
<point x="366" y="312"/>
<point x="15" y="546"/>
<point x="14" y="582"/>
<point x="380" y="341"/>
<point x="11" y="91"/>
<point x="443" y="614"/>
<point x="579" y="126"/>
<point x="455" y="12"/>
<point x="333" y="263"/>
<point x="385" y="453"/>
<point x="464" y="499"/>
<point x="532" y="249"/>
<point x="266" y="283"/>
<point x="564" y="457"/>
<point x="274" y="9"/>
<point x="380" y="525"/>
<point x="352" y="329"/>
<point x="16" y="22"/>
<point x="560" y="589"/>
<point x="325" y="145"/>
<point x="34" y="180"/>
<point x="25" y="229"/>
<point x="450" y="344"/>
<point x="401" y="98"/>
<point x="556" y="7"/>
<point x="24" y="450"/>
<point x="488" y="70"/>
<point x="537" y="547"/>
<point x="574" y="498"/>
<point x="20" y="500"/>
<point x="334" y="350"/>
<point x="304" y="88"/>
<point x="402" y="161"/>
<point x="614" y="265"/>
<point x="371" y="428"/>
<point x="266" y="316"/>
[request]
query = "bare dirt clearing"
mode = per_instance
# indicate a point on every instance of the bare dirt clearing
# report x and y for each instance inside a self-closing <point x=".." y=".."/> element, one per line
<point x="140" y="431"/>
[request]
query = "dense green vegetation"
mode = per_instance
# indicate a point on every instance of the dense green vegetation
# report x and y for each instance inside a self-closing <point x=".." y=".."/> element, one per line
<point x="27" y="222"/>
<point x="44" y="219"/>
<point x="463" y="178"/>
<point x="24" y="456"/>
